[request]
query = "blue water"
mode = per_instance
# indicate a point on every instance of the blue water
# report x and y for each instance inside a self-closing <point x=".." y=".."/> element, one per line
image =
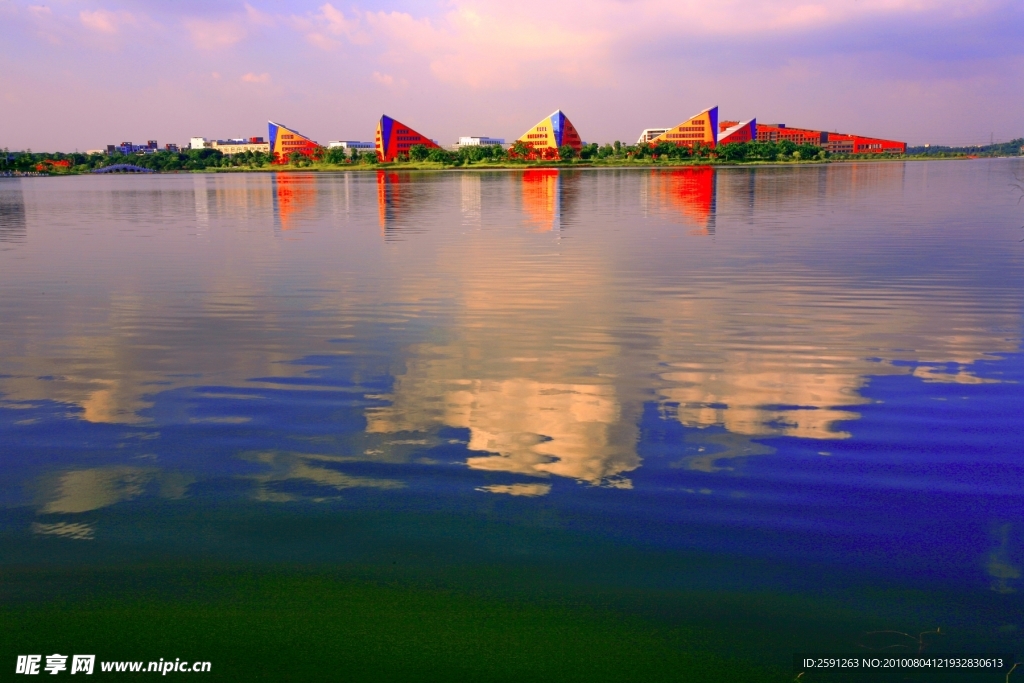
<point x="781" y="380"/>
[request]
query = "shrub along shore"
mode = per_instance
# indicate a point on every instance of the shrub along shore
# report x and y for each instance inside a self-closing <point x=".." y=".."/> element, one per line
<point x="422" y="158"/>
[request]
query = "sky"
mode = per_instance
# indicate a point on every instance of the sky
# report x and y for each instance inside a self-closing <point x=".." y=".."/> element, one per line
<point x="83" y="74"/>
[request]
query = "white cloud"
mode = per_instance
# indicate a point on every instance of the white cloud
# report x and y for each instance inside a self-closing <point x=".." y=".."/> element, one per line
<point x="256" y="78"/>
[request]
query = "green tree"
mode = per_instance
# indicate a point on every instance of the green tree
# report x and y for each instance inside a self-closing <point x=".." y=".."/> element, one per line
<point x="419" y="153"/>
<point x="336" y="155"/>
<point x="589" y="151"/>
<point x="734" y="151"/>
<point x="441" y="156"/>
<point x="567" y="152"/>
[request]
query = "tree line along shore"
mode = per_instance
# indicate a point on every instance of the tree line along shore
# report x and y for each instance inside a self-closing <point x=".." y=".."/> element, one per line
<point x="494" y="156"/>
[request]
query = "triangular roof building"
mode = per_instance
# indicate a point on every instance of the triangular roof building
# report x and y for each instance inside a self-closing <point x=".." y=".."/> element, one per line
<point x="284" y="141"/>
<point x="743" y="131"/>
<point x="699" y="129"/>
<point x="551" y="133"/>
<point x="395" y="138"/>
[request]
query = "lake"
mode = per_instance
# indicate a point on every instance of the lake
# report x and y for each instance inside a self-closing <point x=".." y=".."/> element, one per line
<point x="547" y="423"/>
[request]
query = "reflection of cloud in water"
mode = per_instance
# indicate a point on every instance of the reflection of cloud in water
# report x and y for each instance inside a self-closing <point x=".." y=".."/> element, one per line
<point x="529" y="490"/>
<point x="532" y="428"/>
<point x="931" y="373"/>
<point x="77" y="491"/>
<point x="546" y="361"/>
<point x="741" y="396"/>
<point x="722" y="446"/>
<point x="286" y="467"/>
<point x="74" y="530"/>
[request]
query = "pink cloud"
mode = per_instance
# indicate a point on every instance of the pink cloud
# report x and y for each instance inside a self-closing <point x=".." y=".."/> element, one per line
<point x="213" y="35"/>
<point x="104" y="21"/>
<point x="254" y="78"/>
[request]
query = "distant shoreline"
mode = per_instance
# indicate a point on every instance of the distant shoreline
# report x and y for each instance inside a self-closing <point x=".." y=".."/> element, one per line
<point x="557" y="165"/>
<point x="506" y="166"/>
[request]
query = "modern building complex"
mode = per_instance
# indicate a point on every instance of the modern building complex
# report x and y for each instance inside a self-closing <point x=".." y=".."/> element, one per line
<point x="351" y="145"/>
<point x="151" y="147"/>
<point x="706" y="129"/>
<point x="549" y="134"/>
<point x="835" y="143"/>
<point x="394" y="138"/>
<point x="841" y="143"/>
<point x="284" y="141"/>
<point x="231" y="145"/>
<point x="699" y="129"/>
<point x="730" y="132"/>
<point x="649" y="134"/>
<point x="476" y="141"/>
<point x="240" y="145"/>
<point x="776" y="132"/>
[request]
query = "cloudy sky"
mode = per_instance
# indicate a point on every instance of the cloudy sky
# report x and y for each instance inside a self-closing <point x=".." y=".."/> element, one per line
<point x="85" y="73"/>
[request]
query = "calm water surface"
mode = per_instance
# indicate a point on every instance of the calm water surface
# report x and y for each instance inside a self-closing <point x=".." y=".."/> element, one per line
<point x="776" y="381"/>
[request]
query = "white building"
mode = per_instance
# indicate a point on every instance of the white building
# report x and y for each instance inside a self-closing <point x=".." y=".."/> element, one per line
<point x="240" y="145"/>
<point x="199" y="143"/>
<point x="649" y="134"/>
<point x="350" y="145"/>
<point x="474" y="141"/>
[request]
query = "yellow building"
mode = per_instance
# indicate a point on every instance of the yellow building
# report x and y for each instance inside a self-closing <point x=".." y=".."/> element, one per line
<point x="700" y="129"/>
<point x="549" y="135"/>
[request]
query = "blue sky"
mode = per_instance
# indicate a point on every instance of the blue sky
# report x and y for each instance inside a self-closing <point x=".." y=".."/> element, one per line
<point x="82" y="74"/>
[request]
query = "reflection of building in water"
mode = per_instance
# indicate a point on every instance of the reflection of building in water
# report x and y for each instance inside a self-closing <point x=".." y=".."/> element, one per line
<point x="470" y="185"/>
<point x="768" y="189"/>
<point x="202" y="202"/>
<point x="293" y="195"/>
<point x="12" y="213"/>
<point x="541" y="198"/>
<point x="230" y="196"/>
<point x="689" y="192"/>
<point x="405" y="203"/>
<point x="389" y="199"/>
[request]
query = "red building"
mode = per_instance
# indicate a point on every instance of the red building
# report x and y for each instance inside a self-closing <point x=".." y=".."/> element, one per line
<point x="395" y="139"/>
<point x="841" y="143"/>
<point x="799" y="136"/>
<point x="834" y="143"/>
<point x="731" y="131"/>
